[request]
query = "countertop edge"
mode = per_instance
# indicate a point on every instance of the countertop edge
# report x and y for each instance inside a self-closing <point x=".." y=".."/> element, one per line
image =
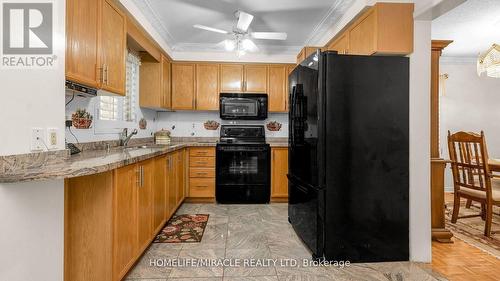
<point x="96" y="169"/>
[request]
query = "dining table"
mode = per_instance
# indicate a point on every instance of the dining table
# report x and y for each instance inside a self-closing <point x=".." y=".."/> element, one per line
<point x="494" y="165"/>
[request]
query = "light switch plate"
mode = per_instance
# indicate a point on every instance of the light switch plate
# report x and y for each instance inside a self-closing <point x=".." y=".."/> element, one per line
<point x="37" y="139"/>
<point x="52" y="134"/>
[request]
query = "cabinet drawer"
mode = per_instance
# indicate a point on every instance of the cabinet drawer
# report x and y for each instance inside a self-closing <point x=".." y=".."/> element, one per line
<point x="202" y="151"/>
<point x="201" y="187"/>
<point x="202" y="161"/>
<point x="201" y="172"/>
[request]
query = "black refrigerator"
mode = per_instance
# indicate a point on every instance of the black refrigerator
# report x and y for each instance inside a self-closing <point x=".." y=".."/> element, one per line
<point x="348" y="172"/>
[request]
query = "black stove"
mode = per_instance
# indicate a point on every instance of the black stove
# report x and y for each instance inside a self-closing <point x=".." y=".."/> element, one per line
<point x="242" y="165"/>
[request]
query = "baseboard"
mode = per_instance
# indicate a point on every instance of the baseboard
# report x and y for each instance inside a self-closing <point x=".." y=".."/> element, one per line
<point x="199" y="200"/>
<point x="279" y="199"/>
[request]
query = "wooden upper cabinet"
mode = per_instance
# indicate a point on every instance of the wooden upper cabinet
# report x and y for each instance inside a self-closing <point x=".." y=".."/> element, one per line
<point x="150" y="94"/>
<point x="154" y="83"/>
<point x="305" y="53"/>
<point x="277" y="88"/>
<point x="341" y="45"/>
<point x="183" y="86"/>
<point x="255" y="80"/>
<point x="394" y="28"/>
<point x="207" y="86"/>
<point x="231" y="78"/>
<point x="385" y="29"/>
<point x="113" y="47"/>
<point x="165" y="82"/>
<point x="362" y="35"/>
<point x="96" y="44"/>
<point x="82" y="32"/>
<point x="289" y="70"/>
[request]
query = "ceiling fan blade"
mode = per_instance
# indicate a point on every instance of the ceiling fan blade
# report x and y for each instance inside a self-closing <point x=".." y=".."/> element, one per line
<point x="244" y="20"/>
<point x="269" y="35"/>
<point x="249" y="45"/>
<point x="208" y="28"/>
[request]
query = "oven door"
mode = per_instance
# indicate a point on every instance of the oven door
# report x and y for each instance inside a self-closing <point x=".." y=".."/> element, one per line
<point x="243" y="106"/>
<point x="242" y="173"/>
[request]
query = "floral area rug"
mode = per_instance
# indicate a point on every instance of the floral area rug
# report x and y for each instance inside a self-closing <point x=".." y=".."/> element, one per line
<point x="471" y="230"/>
<point x="183" y="229"/>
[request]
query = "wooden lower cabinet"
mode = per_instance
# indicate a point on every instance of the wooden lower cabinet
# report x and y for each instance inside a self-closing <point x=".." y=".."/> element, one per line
<point x="160" y="193"/>
<point x="145" y="203"/>
<point x="125" y="220"/>
<point x="202" y="172"/>
<point x="111" y="217"/>
<point x="279" y="169"/>
<point x="172" y="190"/>
<point x="180" y="175"/>
<point x="88" y="227"/>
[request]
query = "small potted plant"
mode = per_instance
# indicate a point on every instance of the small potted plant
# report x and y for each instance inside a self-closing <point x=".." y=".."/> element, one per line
<point x="211" y="125"/>
<point x="81" y="119"/>
<point x="273" y="126"/>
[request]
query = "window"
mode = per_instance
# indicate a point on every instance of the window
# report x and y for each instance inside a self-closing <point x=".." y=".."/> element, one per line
<point x="132" y="88"/>
<point x="113" y="108"/>
<point x="108" y="108"/>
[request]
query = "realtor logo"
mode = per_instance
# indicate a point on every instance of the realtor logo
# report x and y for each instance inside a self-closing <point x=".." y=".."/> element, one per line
<point x="27" y="38"/>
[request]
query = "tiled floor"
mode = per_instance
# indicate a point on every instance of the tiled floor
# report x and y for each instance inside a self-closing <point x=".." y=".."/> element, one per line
<point x="239" y="232"/>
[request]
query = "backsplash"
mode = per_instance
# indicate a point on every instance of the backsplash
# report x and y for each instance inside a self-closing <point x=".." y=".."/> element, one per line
<point x="101" y="130"/>
<point x="190" y="123"/>
<point x="180" y="123"/>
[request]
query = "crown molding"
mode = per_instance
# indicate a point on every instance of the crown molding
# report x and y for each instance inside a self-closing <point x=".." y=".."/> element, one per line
<point x="457" y="60"/>
<point x="223" y="56"/>
<point x="154" y="19"/>
<point x="209" y="47"/>
<point x="331" y="19"/>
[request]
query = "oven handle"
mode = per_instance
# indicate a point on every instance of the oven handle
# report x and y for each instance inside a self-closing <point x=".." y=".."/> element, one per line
<point x="245" y="149"/>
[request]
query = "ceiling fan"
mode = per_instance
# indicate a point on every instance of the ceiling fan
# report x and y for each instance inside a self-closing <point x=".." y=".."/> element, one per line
<point x="241" y="41"/>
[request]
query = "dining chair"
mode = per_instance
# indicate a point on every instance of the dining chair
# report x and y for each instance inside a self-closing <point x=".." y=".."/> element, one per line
<point x="472" y="178"/>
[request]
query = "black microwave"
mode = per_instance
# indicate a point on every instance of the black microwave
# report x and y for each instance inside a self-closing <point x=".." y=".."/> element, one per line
<point x="243" y="106"/>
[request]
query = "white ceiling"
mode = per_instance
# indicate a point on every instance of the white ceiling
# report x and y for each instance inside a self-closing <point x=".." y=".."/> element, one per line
<point x="473" y="26"/>
<point x="301" y="19"/>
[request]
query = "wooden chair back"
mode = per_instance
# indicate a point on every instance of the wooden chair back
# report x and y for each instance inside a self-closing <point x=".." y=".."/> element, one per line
<point x="469" y="161"/>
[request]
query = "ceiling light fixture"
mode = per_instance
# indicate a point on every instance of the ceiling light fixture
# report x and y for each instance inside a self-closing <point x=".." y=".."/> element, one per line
<point x="489" y="62"/>
<point x="241" y="41"/>
<point x="229" y="45"/>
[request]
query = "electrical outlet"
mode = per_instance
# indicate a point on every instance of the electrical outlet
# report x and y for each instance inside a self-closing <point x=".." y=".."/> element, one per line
<point x="37" y="138"/>
<point x="52" y="138"/>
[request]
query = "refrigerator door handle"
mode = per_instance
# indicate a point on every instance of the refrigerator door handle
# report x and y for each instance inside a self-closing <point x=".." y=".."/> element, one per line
<point x="299" y="182"/>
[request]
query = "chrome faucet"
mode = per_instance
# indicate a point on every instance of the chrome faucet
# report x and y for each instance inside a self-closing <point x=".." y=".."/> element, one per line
<point x="124" y="138"/>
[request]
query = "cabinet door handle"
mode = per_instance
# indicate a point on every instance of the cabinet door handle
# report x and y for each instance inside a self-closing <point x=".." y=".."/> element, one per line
<point x="201" y="163"/>
<point x="107" y="74"/>
<point x="138" y="177"/>
<point x="201" y="173"/>
<point x="101" y="74"/>
<point x="142" y="176"/>
<point x="202" y="186"/>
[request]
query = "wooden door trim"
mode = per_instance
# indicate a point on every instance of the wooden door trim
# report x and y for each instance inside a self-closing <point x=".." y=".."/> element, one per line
<point x="439" y="232"/>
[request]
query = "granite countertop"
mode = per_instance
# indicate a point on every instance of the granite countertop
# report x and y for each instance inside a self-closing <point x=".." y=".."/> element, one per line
<point x="59" y="165"/>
